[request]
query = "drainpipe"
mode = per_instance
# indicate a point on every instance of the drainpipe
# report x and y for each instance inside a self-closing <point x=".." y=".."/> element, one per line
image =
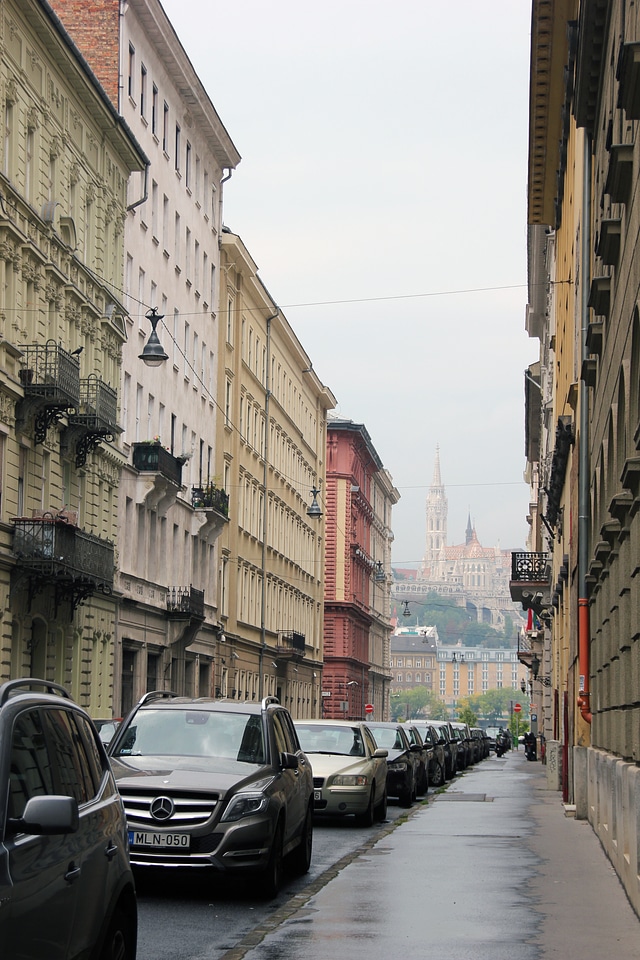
<point x="224" y="180"/>
<point x="265" y="478"/>
<point x="583" y="453"/>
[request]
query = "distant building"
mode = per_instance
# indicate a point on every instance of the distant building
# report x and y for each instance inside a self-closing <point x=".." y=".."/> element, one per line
<point x="451" y="673"/>
<point x="357" y="623"/>
<point x="475" y="577"/>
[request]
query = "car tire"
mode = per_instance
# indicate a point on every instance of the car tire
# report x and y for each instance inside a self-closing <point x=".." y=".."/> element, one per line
<point x="406" y="798"/>
<point x="120" y="940"/>
<point x="367" y="818"/>
<point x="436" y="774"/>
<point x="270" y="880"/>
<point x="423" y="786"/>
<point x="301" y="856"/>
<point x="381" y="809"/>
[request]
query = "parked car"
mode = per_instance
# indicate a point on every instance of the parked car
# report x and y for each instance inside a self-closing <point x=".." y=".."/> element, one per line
<point x="215" y="783"/>
<point x="349" y="769"/>
<point x="402" y="760"/>
<point x="450" y="746"/>
<point x="462" y="735"/>
<point x="436" y="763"/>
<point x="66" y="885"/>
<point x="482" y="741"/>
<point x="423" y="755"/>
<point x="106" y="729"/>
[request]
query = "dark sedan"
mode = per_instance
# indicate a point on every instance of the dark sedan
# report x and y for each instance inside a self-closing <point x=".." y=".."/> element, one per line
<point x="435" y="746"/>
<point x="402" y="760"/>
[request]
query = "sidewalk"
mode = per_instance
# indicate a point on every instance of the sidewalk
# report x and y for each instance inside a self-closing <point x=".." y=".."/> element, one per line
<point x="489" y="869"/>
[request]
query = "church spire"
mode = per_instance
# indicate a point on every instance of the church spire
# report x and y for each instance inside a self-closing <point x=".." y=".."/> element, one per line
<point x="437" y="481"/>
<point x="469" y="534"/>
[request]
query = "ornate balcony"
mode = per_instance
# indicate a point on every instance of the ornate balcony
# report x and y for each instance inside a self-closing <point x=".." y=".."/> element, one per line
<point x="291" y="645"/>
<point x="160" y="476"/>
<point x="51" y="551"/>
<point x="185" y="603"/>
<point x="212" y="511"/>
<point x="529" y="584"/>
<point x="96" y="418"/>
<point x="51" y="381"/>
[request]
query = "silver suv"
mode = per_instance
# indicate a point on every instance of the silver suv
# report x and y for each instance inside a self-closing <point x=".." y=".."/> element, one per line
<point x="215" y="784"/>
<point x="66" y="886"/>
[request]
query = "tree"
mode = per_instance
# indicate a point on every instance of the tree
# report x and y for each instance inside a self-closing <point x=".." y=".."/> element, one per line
<point x="417" y="702"/>
<point x="494" y="704"/>
<point x="466" y="715"/>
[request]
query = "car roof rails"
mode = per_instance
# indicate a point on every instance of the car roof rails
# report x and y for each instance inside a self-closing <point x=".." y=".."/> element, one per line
<point x="156" y="695"/>
<point x="267" y="700"/>
<point x="10" y="686"/>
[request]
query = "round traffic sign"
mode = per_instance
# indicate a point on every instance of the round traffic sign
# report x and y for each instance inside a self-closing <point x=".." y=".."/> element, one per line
<point x="368" y="708"/>
<point x="517" y="708"/>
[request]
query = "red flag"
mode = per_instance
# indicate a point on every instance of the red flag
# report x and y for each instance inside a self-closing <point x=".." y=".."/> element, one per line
<point x="530" y="619"/>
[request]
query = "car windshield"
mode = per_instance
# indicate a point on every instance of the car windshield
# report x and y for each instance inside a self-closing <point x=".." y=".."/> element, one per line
<point x="388" y="738"/>
<point x="330" y="738"/>
<point x="194" y="733"/>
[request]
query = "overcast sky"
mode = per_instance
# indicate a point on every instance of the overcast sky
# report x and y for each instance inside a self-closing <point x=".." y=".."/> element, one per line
<point x="382" y="193"/>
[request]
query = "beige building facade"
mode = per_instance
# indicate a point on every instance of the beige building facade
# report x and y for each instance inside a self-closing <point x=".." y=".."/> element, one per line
<point x="272" y="429"/>
<point x="66" y="161"/>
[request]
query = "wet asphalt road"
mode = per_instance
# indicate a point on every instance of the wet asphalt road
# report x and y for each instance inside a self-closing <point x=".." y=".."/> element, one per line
<point x="192" y="916"/>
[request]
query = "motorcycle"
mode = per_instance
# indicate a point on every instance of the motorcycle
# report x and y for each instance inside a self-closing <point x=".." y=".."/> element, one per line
<point x="503" y="743"/>
<point x="530" y="749"/>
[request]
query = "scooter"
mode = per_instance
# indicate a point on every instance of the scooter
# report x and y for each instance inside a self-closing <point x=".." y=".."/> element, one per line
<point x="530" y="750"/>
<point x="502" y="744"/>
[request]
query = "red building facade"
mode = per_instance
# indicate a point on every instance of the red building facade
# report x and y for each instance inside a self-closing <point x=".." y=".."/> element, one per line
<point x="358" y="500"/>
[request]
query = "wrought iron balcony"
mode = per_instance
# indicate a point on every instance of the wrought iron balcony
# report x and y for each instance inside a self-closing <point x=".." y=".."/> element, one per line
<point x="210" y="498"/>
<point x="153" y="458"/>
<point x="51" y="551"/>
<point x="96" y="418"/>
<point x="185" y="603"/>
<point x="50" y="377"/>
<point x="291" y="645"/>
<point x="529" y="584"/>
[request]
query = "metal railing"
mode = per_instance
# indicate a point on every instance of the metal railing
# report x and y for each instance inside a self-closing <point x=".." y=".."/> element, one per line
<point x="530" y="567"/>
<point x="185" y="601"/>
<point x="152" y="457"/>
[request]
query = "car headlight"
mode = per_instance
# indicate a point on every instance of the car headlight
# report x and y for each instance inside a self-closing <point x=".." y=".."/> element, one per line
<point x="350" y="780"/>
<point x="244" y="805"/>
<point x="400" y="765"/>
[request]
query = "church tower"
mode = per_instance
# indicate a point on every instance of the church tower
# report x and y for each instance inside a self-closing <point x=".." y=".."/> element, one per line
<point x="437" y="509"/>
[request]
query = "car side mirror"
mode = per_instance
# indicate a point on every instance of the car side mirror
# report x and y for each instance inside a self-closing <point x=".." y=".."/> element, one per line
<point x="380" y="753"/>
<point x="289" y="761"/>
<point x="47" y="816"/>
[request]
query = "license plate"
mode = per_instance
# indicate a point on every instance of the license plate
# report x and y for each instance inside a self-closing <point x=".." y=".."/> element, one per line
<point x="317" y="794"/>
<point x="139" y="839"/>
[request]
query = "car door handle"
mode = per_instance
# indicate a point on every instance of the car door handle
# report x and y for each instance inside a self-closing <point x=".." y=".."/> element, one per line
<point x="111" y="850"/>
<point x="72" y="873"/>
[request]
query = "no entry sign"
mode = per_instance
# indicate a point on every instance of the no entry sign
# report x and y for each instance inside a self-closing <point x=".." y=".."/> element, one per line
<point x="517" y="708"/>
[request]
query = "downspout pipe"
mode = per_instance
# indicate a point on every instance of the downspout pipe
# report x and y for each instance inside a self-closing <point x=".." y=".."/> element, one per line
<point x="265" y="489"/>
<point x="583" y="453"/>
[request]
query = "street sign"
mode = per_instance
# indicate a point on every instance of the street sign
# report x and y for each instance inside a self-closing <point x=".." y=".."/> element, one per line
<point x="532" y="708"/>
<point x="534" y="717"/>
<point x="517" y="708"/>
<point x="368" y="708"/>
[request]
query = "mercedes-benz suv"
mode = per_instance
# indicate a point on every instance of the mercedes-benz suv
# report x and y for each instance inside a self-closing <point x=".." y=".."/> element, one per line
<point x="215" y="784"/>
<point x="66" y="886"/>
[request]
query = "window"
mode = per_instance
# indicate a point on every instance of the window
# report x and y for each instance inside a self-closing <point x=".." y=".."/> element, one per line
<point x="154" y="110"/>
<point x="154" y="210"/>
<point x="187" y="166"/>
<point x="177" y="150"/>
<point x="132" y="67"/>
<point x="165" y="129"/>
<point x="143" y="90"/>
<point x="31" y="774"/>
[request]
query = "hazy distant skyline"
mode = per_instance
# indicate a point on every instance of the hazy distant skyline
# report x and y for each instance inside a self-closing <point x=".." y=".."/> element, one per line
<point x="382" y="193"/>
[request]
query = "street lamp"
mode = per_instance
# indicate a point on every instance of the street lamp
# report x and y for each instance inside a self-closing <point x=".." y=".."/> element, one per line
<point x="535" y="668"/>
<point x="314" y="510"/>
<point x="153" y="354"/>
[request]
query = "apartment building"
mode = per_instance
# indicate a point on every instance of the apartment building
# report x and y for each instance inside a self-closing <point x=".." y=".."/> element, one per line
<point x="171" y="510"/>
<point x="579" y="578"/>
<point x="359" y="499"/>
<point x="272" y="430"/>
<point x="66" y="161"/>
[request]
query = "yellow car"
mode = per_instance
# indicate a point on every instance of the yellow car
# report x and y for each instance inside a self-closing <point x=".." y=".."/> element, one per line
<point x="349" y="770"/>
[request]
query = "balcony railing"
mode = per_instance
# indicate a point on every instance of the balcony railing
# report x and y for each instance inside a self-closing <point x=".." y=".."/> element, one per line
<point x="210" y="498"/>
<point x="152" y="457"/>
<point x="291" y="644"/>
<point x="50" y="377"/>
<point x="185" y="602"/>
<point x="53" y="551"/>
<point x="530" y="567"/>
<point x="96" y="418"/>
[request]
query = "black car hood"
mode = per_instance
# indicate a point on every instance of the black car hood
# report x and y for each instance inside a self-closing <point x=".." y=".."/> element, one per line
<point x="217" y="774"/>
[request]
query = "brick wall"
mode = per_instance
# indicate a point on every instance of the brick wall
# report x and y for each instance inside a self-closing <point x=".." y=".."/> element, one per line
<point x="94" y="27"/>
